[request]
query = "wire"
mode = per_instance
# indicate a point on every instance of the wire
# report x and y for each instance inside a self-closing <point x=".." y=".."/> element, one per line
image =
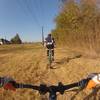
<point x="30" y="12"/>
<point x="21" y="6"/>
<point x="38" y="7"/>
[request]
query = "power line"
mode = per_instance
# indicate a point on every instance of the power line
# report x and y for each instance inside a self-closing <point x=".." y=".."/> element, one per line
<point x="29" y="11"/>
<point x="32" y="12"/>
<point x="38" y="8"/>
<point x="21" y="6"/>
<point x="43" y="36"/>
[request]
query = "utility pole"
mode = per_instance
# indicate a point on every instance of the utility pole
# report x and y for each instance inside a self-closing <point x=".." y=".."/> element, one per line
<point x="5" y="37"/>
<point x="42" y="36"/>
<point x="5" y="40"/>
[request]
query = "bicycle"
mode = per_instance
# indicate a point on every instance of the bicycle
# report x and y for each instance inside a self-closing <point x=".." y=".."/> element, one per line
<point x="52" y="90"/>
<point x="50" y="57"/>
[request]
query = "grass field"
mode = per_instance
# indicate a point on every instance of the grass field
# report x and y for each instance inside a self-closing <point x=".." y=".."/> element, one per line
<point x="27" y="63"/>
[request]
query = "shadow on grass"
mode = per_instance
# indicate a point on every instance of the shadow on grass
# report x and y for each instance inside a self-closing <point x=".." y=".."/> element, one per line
<point x="64" y="60"/>
<point x="68" y="59"/>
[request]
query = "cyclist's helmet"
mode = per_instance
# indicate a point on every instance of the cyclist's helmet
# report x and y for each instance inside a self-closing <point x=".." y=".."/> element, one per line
<point x="49" y="35"/>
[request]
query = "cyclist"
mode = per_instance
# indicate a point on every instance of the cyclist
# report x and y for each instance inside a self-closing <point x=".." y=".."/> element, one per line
<point x="50" y="43"/>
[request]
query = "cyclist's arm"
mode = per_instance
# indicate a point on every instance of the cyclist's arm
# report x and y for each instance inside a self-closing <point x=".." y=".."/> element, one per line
<point x="45" y="42"/>
<point x="54" y="42"/>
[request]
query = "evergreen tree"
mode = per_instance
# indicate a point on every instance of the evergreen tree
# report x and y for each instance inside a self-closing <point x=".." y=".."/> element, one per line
<point x="16" y="40"/>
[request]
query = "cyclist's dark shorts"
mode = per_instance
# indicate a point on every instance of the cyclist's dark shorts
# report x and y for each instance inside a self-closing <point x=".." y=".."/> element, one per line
<point x="50" y="46"/>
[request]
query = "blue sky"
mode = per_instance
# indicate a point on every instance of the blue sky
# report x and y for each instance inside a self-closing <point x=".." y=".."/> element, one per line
<point x="26" y="17"/>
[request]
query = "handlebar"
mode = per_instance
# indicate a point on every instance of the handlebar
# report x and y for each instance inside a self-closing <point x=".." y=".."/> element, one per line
<point x="90" y="82"/>
<point x="52" y="90"/>
<point x="43" y="89"/>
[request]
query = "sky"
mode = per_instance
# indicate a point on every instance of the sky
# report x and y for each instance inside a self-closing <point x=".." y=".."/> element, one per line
<point x="26" y="17"/>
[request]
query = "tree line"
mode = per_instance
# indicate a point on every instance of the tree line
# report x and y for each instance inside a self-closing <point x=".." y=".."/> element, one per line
<point x="78" y="25"/>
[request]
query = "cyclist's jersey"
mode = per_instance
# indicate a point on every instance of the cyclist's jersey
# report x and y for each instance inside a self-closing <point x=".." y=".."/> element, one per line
<point x="49" y="40"/>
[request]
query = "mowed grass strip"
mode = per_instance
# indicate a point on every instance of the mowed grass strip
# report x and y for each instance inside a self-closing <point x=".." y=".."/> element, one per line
<point x="18" y="48"/>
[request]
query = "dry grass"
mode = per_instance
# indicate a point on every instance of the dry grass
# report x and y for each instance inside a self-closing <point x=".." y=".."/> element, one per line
<point x="28" y="64"/>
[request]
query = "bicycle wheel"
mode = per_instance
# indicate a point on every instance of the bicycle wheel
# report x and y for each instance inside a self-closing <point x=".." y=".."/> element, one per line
<point x="50" y="57"/>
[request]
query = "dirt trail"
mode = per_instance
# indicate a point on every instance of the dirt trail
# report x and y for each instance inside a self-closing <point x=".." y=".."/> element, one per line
<point x="70" y="66"/>
<point x="30" y="66"/>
